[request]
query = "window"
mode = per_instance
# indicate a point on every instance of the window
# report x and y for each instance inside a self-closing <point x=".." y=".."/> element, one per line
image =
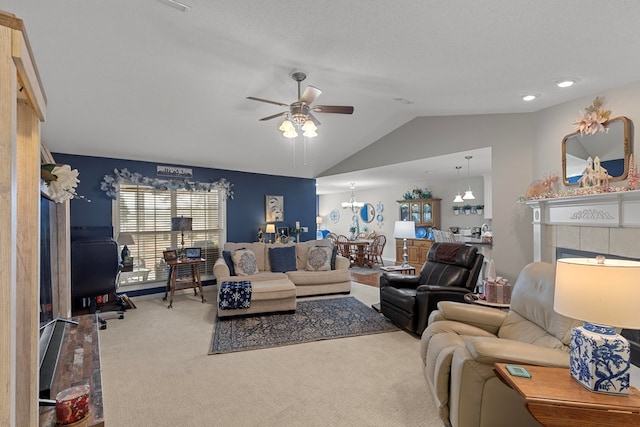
<point x="146" y="213"/>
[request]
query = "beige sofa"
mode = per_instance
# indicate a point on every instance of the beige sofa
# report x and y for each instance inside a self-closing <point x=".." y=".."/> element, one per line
<point x="302" y="281"/>
<point x="463" y="341"/>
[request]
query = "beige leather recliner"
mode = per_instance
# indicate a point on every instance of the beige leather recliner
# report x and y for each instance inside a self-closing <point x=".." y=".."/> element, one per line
<point x="463" y="341"/>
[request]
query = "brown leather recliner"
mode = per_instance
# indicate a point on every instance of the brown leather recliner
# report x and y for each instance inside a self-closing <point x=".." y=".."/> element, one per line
<point x="450" y="271"/>
<point x="463" y="341"/>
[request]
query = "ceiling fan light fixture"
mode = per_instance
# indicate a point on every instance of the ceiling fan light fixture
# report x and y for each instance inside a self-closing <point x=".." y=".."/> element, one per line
<point x="285" y="126"/>
<point x="290" y="133"/>
<point x="309" y="126"/>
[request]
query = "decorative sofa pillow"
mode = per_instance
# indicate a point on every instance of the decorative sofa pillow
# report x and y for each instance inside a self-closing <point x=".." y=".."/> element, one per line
<point x="283" y="259"/>
<point x="319" y="258"/>
<point x="334" y="253"/>
<point x="244" y="262"/>
<point x="226" y="255"/>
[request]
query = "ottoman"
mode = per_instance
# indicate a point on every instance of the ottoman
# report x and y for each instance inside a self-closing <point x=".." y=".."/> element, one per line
<point x="267" y="296"/>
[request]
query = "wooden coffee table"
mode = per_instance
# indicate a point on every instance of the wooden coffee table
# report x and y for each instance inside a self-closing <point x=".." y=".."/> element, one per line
<point x="555" y="399"/>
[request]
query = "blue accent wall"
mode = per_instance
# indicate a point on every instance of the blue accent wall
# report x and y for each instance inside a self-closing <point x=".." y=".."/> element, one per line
<point x="245" y="212"/>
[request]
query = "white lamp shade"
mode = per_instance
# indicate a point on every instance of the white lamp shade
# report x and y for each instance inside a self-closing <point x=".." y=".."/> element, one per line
<point x="404" y="230"/>
<point x="458" y="199"/>
<point x="468" y="195"/>
<point x="125" y="239"/>
<point x="598" y="293"/>
<point x="271" y="228"/>
<point x="318" y="220"/>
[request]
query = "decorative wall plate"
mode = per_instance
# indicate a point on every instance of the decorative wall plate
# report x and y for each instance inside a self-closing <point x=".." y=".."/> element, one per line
<point x="334" y="216"/>
<point x="379" y="207"/>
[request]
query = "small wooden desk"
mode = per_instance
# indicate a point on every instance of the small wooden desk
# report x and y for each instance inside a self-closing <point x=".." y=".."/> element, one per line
<point x="555" y="399"/>
<point x="194" y="281"/>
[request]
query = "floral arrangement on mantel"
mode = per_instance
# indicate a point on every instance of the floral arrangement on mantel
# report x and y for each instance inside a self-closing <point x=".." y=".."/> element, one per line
<point x="546" y="188"/>
<point x="593" y="119"/>
<point x="110" y="183"/>
<point x="417" y="193"/>
<point x="60" y="182"/>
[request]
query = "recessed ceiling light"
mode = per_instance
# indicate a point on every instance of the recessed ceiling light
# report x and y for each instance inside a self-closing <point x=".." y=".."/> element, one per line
<point x="566" y="82"/>
<point x="529" y="96"/>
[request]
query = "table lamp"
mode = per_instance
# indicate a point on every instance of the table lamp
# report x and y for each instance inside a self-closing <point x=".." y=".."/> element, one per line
<point x="404" y="230"/>
<point x="125" y="239"/>
<point x="181" y="224"/>
<point x="319" y="235"/>
<point x="270" y="229"/>
<point x="601" y="292"/>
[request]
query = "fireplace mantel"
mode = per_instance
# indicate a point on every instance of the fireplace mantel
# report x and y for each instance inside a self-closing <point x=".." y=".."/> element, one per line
<point x="611" y="210"/>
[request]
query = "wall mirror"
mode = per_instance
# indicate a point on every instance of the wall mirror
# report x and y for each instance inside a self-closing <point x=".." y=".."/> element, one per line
<point x="367" y="212"/>
<point x="613" y="148"/>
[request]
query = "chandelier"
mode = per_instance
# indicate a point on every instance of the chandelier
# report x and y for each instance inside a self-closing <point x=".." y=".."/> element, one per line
<point x="352" y="203"/>
<point x="298" y="118"/>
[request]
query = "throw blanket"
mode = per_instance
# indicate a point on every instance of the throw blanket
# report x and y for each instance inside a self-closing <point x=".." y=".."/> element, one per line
<point x="234" y="295"/>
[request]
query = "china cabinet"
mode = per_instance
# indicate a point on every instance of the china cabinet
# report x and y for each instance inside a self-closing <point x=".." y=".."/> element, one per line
<point x="424" y="212"/>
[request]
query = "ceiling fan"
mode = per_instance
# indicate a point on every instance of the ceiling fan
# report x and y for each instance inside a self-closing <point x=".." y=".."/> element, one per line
<point x="298" y="113"/>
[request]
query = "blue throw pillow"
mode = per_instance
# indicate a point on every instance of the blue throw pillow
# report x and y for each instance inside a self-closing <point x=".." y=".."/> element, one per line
<point x="229" y="261"/>
<point x="283" y="259"/>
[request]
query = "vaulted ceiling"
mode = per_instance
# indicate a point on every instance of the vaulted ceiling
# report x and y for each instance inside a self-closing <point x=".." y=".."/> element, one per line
<point x="145" y="80"/>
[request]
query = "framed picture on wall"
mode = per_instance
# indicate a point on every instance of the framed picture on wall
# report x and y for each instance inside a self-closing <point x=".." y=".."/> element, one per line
<point x="274" y="208"/>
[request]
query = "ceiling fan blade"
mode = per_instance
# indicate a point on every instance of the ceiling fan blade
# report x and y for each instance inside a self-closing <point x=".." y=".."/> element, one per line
<point x="339" y="109"/>
<point x="273" y="117"/>
<point x="309" y="95"/>
<point x="253" y="98"/>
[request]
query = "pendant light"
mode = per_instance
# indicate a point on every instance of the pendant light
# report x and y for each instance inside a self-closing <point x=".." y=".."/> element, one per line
<point x="468" y="195"/>
<point x="458" y="198"/>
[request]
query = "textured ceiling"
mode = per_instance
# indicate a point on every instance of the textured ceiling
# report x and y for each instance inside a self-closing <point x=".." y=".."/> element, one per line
<point x="143" y="80"/>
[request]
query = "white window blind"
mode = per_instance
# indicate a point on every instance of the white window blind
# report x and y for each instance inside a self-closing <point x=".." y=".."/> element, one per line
<point x="146" y="213"/>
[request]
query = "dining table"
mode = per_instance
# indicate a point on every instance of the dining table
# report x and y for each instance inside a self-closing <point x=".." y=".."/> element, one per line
<point x="359" y="250"/>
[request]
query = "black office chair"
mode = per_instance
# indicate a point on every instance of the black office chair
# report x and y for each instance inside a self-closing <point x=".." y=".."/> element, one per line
<point x="94" y="269"/>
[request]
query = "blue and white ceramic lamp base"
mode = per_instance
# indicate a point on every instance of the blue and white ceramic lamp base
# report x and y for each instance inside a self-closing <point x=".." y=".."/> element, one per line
<point x="599" y="359"/>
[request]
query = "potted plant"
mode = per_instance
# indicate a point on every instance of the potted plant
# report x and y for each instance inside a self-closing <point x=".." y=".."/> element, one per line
<point x="466" y="209"/>
<point x="480" y="209"/>
<point x="456" y="210"/>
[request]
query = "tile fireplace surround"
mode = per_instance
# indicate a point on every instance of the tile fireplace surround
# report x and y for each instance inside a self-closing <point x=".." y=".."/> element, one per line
<point x="607" y="224"/>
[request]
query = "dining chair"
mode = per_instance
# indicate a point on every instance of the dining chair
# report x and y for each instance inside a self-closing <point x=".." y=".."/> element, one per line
<point x="374" y="255"/>
<point x="344" y="248"/>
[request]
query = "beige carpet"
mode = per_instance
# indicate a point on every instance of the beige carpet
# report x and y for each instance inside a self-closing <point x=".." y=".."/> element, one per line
<point x="156" y="372"/>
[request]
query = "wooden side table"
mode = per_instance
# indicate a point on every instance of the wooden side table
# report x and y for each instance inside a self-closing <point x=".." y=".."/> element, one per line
<point x="193" y="281"/>
<point x="555" y="399"/>
<point x="472" y="298"/>
<point x="399" y="269"/>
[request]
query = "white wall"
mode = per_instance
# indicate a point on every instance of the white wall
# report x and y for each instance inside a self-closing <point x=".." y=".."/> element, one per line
<point x="524" y="147"/>
<point x="510" y="137"/>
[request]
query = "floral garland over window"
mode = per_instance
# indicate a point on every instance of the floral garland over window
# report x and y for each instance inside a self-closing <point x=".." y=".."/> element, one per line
<point x="594" y="119"/>
<point x="110" y="183"/>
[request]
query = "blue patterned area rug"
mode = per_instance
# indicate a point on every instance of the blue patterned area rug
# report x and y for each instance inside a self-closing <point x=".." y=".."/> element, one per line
<point x="314" y="320"/>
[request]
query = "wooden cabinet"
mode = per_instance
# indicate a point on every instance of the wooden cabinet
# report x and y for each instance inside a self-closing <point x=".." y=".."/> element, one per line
<point x="417" y="250"/>
<point x="424" y="212"/>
